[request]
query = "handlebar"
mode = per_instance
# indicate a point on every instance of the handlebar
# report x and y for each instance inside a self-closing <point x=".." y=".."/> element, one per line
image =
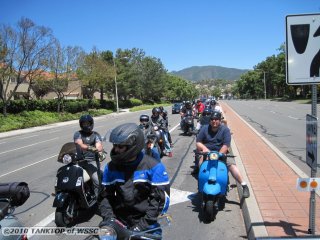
<point x="216" y="152"/>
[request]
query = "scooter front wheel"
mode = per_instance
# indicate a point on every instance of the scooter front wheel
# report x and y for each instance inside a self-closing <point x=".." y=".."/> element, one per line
<point x="210" y="210"/>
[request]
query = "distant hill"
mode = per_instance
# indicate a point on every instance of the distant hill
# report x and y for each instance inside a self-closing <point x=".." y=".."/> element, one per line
<point x="198" y="73"/>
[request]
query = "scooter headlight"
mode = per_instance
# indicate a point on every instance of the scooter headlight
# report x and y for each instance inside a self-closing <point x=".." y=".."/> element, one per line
<point x="107" y="233"/>
<point x="214" y="156"/>
<point x="67" y="159"/>
<point x="156" y="128"/>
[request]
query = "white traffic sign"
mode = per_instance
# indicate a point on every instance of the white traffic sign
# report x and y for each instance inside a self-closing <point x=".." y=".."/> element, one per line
<point x="303" y="49"/>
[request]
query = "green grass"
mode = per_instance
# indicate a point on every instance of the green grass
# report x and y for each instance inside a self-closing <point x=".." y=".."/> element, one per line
<point x="38" y="118"/>
<point x="144" y="107"/>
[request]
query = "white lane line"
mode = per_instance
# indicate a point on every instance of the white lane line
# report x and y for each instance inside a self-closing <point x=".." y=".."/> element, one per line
<point x="29" y="136"/>
<point x="28" y="146"/>
<point x="176" y="196"/>
<point x="28" y="165"/>
<point x="273" y="112"/>
<point x="172" y="129"/>
<point x="293" y="117"/>
<point x="54" y="131"/>
<point x="3" y="143"/>
<point x="42" y="223"/>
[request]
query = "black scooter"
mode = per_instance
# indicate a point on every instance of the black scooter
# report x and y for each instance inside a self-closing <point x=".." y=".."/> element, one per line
<point x="74" y="189"/>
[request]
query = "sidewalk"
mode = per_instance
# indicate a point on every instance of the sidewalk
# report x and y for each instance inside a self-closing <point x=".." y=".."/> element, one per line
<point x="275" y="208"/>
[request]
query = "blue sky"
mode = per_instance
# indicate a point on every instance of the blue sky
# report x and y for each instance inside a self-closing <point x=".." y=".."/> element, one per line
<point x="182" y="33"/>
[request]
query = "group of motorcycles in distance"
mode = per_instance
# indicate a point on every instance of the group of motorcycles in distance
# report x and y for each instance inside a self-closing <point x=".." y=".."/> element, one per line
<point x="189" y="113"/>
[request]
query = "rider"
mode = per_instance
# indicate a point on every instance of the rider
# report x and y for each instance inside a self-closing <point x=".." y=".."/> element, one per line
<point x="136" y="185"/>
<point x="150" y="138"/>
<point x="158" y="120"/>
<point x="185" y="109"/>
<point x="199" y="107"/>
<point x="204" y="118"/>
<point x="217" y="137"/>
<point x="90" y="142"/>
<point x="215" y="106"/>
<point x="164" y="115"/>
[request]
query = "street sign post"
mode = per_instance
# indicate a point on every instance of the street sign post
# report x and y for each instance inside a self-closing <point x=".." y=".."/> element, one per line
<point x="303" y="67"/>
<point x="303" y="49"/>
<point x="311" y="141"/>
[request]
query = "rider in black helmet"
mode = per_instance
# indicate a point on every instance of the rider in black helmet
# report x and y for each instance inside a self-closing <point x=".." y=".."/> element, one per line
<point x="151" y="147"/>
<point x="157" y="119"/>
<point x="136" y="185"/>
<point x="90" y="142"/>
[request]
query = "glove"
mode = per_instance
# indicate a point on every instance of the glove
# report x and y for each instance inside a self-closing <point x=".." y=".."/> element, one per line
<point x="116" y="225"/>
<point x="141" y="226"/>
<point x="92" y="149"/>
<point x="102" y="156"/>
<point x="107" y="222"/>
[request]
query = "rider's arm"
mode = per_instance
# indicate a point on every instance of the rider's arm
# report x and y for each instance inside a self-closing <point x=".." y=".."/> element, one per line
<point x="98" y="141"/>
<point x="77" y="139"/>
<point x="159" y="199"/>
<point x="200" y="139"/>
<point x="107" y="194"/>
<point x="224" y="149"/>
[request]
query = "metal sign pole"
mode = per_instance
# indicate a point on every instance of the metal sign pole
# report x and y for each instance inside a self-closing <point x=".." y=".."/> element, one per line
<point x="312" y="205"/>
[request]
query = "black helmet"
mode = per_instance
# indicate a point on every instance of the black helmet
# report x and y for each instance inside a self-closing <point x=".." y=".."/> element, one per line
<point x="144" y="119"/>
<point x="215" y="115"/>
<point x="161" y="109"/>
<point x="156" y="110"/>
<point x="213" y="102"/>
<point x="128" y="134"/>
<point x="188" y="104"/>
<point x="207" y="112"/>
<point x="164" y="113"/>
<point x="86" y="123"/>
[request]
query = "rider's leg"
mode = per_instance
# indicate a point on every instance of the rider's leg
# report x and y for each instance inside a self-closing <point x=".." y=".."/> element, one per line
<point x="238" y="177"/>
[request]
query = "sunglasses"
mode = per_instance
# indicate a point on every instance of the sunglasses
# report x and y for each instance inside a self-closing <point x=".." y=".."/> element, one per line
<point x="215" y="119"/>
<point x="119" y="146"/>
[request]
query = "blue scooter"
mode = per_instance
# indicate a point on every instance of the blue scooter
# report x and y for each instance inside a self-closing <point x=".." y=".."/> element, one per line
<point x="213" y="181"/>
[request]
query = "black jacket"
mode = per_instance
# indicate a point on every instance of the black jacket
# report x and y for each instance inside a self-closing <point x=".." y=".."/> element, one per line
<point x="135" y="193"/>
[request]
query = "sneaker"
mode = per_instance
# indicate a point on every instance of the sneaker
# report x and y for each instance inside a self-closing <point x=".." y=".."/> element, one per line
<point x="170" y="154"/>
<point x="245" y="191"/>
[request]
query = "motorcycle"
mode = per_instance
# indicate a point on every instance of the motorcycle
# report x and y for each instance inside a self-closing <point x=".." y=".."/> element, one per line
<point x="117" y="230"/>
<point x="74" y="191"/>
<point x="213" y="182"/>
<point x="188" y="123"/>
<point x="12" y="195"/>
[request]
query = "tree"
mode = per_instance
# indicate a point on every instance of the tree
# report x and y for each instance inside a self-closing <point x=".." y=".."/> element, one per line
<point x="93" y="73"/>
<point x="24" y="52"/>
<point x="63" y="63"/>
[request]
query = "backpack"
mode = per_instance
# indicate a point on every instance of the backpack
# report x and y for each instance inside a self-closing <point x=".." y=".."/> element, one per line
<point x="16" y="192"/>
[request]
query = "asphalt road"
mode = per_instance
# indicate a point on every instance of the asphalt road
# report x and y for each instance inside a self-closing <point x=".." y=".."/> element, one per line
<point x="282" y="123"/>
<point x="31" y="157"/>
